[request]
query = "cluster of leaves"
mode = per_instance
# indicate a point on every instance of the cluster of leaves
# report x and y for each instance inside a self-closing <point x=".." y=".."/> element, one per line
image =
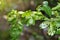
<point x="18" y="19"/>
<point x="16" y="26"/>
<point x="53" y="22"/>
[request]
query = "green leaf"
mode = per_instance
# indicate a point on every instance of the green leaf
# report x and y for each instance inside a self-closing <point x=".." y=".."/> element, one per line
<point x="51" y="30"/>
<point x="47" y="9"/>
<point x="57" y="7"/>
<point x="31" y="21"/>
<point x="58" y="31"/>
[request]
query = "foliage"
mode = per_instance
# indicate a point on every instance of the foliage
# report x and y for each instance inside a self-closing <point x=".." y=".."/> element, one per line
<point x="18" y="19"/>
<point x="53" y="22"/>
<point x="16" y="25"/>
